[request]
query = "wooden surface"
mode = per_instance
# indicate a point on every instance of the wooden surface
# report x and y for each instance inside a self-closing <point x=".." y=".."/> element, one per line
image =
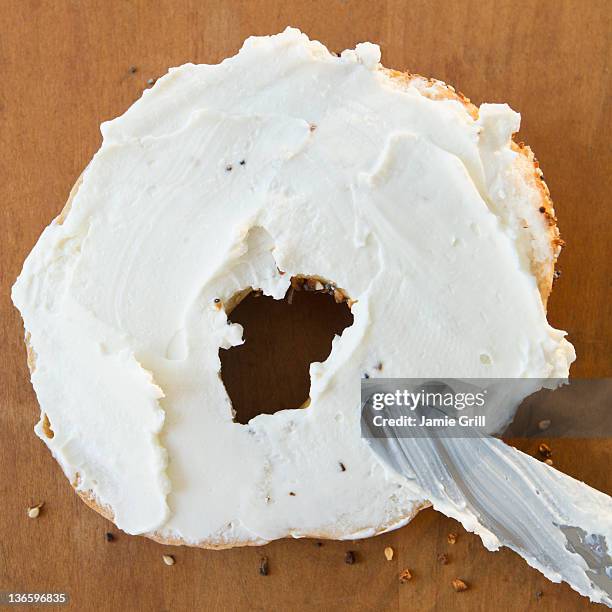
<point x="65" y="67"/>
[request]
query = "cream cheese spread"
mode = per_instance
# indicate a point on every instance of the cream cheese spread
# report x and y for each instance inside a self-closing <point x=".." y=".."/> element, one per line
<point x="284" y="160"/>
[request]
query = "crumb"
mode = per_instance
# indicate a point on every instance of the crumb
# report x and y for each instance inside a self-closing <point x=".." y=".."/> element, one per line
<point x="109" y="536"/>
<point x="405" y="575"/>
<point x="34" y="511"/>
<point x="544" y="424"/>
<point x="459" y="585"/>
<point x="443" y="559"/>
<point x="389" y="553"/>
<point x="545" y="450"/>
<point x="350" y="557"/>
<point x="342" y="466"/>
<point x="451" y="538"/>
<point x="263" y="566"/>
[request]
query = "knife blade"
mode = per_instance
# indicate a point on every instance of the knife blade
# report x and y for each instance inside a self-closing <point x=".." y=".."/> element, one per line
<point x="559" y="525"/>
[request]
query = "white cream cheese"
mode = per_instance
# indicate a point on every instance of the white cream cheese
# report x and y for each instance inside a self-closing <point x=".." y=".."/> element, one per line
<point x="284" y="157"/>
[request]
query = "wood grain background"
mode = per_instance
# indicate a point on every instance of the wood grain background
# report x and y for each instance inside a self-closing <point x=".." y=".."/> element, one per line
<point x="65" y="67"/>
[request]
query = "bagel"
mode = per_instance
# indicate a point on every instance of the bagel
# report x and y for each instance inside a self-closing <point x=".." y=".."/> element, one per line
<point x="283" y="162"/>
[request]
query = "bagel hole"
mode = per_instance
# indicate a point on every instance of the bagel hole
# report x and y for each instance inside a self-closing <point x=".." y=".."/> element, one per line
<point x="270" y="371"/>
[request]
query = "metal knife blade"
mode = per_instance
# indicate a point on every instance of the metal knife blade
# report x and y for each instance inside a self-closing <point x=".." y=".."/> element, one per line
<point x="559" y="525"/>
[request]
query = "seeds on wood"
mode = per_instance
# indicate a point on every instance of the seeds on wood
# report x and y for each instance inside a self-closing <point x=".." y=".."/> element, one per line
<point x="545" y="450"/>
<point x="405" y="575"/>
<point x="389" y="553"/>
<point x="34" y="511"/>
<point x="263" y="566"/>
<point x="168" y="559"/>
<point x="459" y="585"/>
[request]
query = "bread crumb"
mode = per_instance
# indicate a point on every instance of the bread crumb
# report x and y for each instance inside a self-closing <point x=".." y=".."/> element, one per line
<point x="459" y="585"/>
<point x="545" y="450"/>
<point x="263" y="566"/>
<point x="405" y="576"/>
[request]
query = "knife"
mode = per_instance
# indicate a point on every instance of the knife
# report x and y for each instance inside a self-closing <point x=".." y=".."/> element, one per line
<point x="559" y="525"/>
